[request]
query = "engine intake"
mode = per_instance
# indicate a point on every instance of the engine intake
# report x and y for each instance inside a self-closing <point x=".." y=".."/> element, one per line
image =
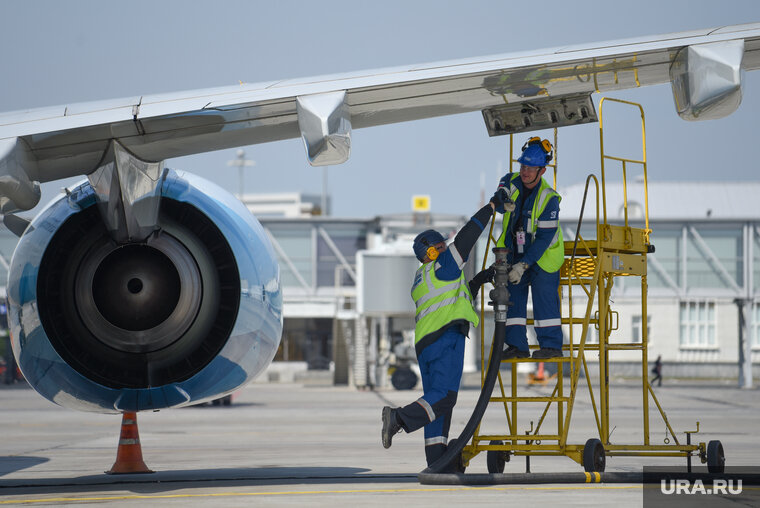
<point x="139" y="315"/>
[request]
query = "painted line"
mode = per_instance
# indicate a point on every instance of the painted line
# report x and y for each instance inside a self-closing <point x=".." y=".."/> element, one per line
<point x="298" y="493"/>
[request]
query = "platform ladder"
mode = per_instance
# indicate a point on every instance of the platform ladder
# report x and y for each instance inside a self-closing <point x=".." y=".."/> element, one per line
<point x="590" y="266"/>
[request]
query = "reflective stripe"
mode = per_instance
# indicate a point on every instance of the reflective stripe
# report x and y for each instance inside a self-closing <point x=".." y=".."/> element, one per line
<point x="427" y="407"/>
<point x="517" y="321"/>
<point x="512" y="189"/>
<point x="457" y="256"/>
<point x="541" y="202"/>
<point x="548" y="223"/>
<point x="542" y="323"/>
<point x="442" y="303"/>
<point x="435" y="440"/>
<point x="425" y="275"/>
<point x="434" y="292"/>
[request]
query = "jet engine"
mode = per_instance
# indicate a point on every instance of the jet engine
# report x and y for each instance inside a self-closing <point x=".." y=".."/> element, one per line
<point x="190" y="313"/>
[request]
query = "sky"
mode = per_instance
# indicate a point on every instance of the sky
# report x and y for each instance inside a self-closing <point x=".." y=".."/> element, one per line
<point x="84" y="50"/>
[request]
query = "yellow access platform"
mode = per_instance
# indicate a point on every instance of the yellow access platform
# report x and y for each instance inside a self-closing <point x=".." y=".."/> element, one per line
<point x="591" y="267"/>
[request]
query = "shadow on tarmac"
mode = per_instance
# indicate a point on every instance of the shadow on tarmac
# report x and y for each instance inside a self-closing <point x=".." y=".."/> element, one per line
<point x="167" y="481"/>
<point x="13" y="464"/>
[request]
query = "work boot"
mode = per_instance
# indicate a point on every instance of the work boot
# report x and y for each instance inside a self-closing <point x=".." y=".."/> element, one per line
<point x="391" y="426"/>
<point x="514" y="352"/>
<point x="547" y="352"/>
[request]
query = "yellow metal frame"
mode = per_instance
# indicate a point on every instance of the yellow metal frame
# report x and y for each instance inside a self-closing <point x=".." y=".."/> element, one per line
<point x="592" y="266"/>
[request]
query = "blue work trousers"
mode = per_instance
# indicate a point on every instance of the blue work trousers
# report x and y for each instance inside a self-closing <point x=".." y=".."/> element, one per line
<point x="546" y="309"/>
<point x="441" y="368"/>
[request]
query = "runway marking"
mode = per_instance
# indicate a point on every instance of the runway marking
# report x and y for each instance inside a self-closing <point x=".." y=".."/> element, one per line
<point x="301" y="493"/>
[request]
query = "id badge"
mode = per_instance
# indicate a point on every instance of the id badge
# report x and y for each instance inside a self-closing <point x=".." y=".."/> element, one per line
<point x="520" y="237"/>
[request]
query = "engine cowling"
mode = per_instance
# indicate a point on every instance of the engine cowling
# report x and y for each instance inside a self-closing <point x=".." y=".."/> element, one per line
<point x="191" y="313"/>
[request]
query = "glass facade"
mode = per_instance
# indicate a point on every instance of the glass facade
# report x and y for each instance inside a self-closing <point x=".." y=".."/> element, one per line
<point x="668" y="257"/>
<point x="346" y="239"/>
<point x="708" y="246"/>
<point x="310" y="252"/>
<point x="296" y="244"/>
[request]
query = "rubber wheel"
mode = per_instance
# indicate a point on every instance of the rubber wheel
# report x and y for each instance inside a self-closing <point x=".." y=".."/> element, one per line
<point x="227" y="400"/>
<point x="716" y="461"/>
<point x="403" y="379"/>
<point x="593" y="456"/>
<point x="458" y="462"/>
<point x="496" y="459"/>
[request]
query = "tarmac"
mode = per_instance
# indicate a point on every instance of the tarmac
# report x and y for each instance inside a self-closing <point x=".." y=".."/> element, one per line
<point x="311" y="443"/>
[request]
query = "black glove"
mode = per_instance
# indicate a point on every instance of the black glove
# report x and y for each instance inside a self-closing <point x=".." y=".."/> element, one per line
<point x="500" y="196"/>
<point x="480" y="279"/>
<point x="501" y="201"/>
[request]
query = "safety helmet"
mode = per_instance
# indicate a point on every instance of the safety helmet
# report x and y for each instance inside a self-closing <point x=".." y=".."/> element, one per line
<point x="536" y="152"/>
<point x="425" y="242"/>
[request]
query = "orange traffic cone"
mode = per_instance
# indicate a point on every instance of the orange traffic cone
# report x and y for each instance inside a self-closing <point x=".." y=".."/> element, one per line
<point x="540" y="374"/>
<point x="129" y="454"/>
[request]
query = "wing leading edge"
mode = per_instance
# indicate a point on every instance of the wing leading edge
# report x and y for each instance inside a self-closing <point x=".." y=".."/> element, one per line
<point x="704" y="68"/>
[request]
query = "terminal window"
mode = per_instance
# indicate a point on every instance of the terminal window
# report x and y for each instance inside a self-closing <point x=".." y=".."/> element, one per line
<point x="698" y="325"/>
<point x="636" y="332"/>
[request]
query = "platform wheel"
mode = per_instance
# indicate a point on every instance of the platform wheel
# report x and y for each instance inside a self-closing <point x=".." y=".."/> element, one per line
<point x="593" y="456"/>
<point x="496" y="459"/>
<point x="716" y="461"/>
<point x="458" y="461"/>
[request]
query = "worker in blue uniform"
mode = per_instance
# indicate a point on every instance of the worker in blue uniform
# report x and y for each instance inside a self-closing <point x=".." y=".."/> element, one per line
<point x="532" y="233"/>
<point x="444" y="313"/>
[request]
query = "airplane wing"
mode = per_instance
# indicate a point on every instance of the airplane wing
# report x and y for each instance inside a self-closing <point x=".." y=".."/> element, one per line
<point x="47" y="144"/>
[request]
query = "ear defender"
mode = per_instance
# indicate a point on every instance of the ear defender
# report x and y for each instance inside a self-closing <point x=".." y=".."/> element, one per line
<point x="432" y="253"/>
<point x="545" y="145"/>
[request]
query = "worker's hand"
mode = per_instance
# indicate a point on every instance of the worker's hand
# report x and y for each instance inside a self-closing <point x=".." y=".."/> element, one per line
<point x="500" y="196"/>
<point x="501" y="201"/>
<point x="517" y="271"/>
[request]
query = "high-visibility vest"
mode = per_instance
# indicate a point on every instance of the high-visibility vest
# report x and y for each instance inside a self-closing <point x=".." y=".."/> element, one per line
<point x="553" y="257"/>
<point x="439" y="302"/>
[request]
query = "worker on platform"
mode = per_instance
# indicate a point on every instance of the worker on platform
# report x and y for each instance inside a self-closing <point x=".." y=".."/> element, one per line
<point x="443" y="299"/>
<point x="531" y="231"/>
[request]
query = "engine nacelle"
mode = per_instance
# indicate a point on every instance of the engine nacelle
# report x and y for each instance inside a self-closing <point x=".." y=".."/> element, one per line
<point x="191" y="313"/>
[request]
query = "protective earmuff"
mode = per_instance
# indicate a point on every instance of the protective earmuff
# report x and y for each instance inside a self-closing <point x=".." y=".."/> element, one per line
<point x="543" y="143"/>
<point x="432" y="253"/>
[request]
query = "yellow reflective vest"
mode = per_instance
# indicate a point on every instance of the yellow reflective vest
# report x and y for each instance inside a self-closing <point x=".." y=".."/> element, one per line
<point x="439" y="302"/>
<point x="553" y="257"/>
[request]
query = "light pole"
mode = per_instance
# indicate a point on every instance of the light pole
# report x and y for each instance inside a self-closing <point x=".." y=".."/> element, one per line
<point x="241" y="162"/>
<point x="324" y="190"/>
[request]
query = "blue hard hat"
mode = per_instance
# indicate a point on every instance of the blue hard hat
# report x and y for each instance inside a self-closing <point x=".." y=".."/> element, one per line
<point x="426" y="239"/>
<point x="534" y="155"/>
